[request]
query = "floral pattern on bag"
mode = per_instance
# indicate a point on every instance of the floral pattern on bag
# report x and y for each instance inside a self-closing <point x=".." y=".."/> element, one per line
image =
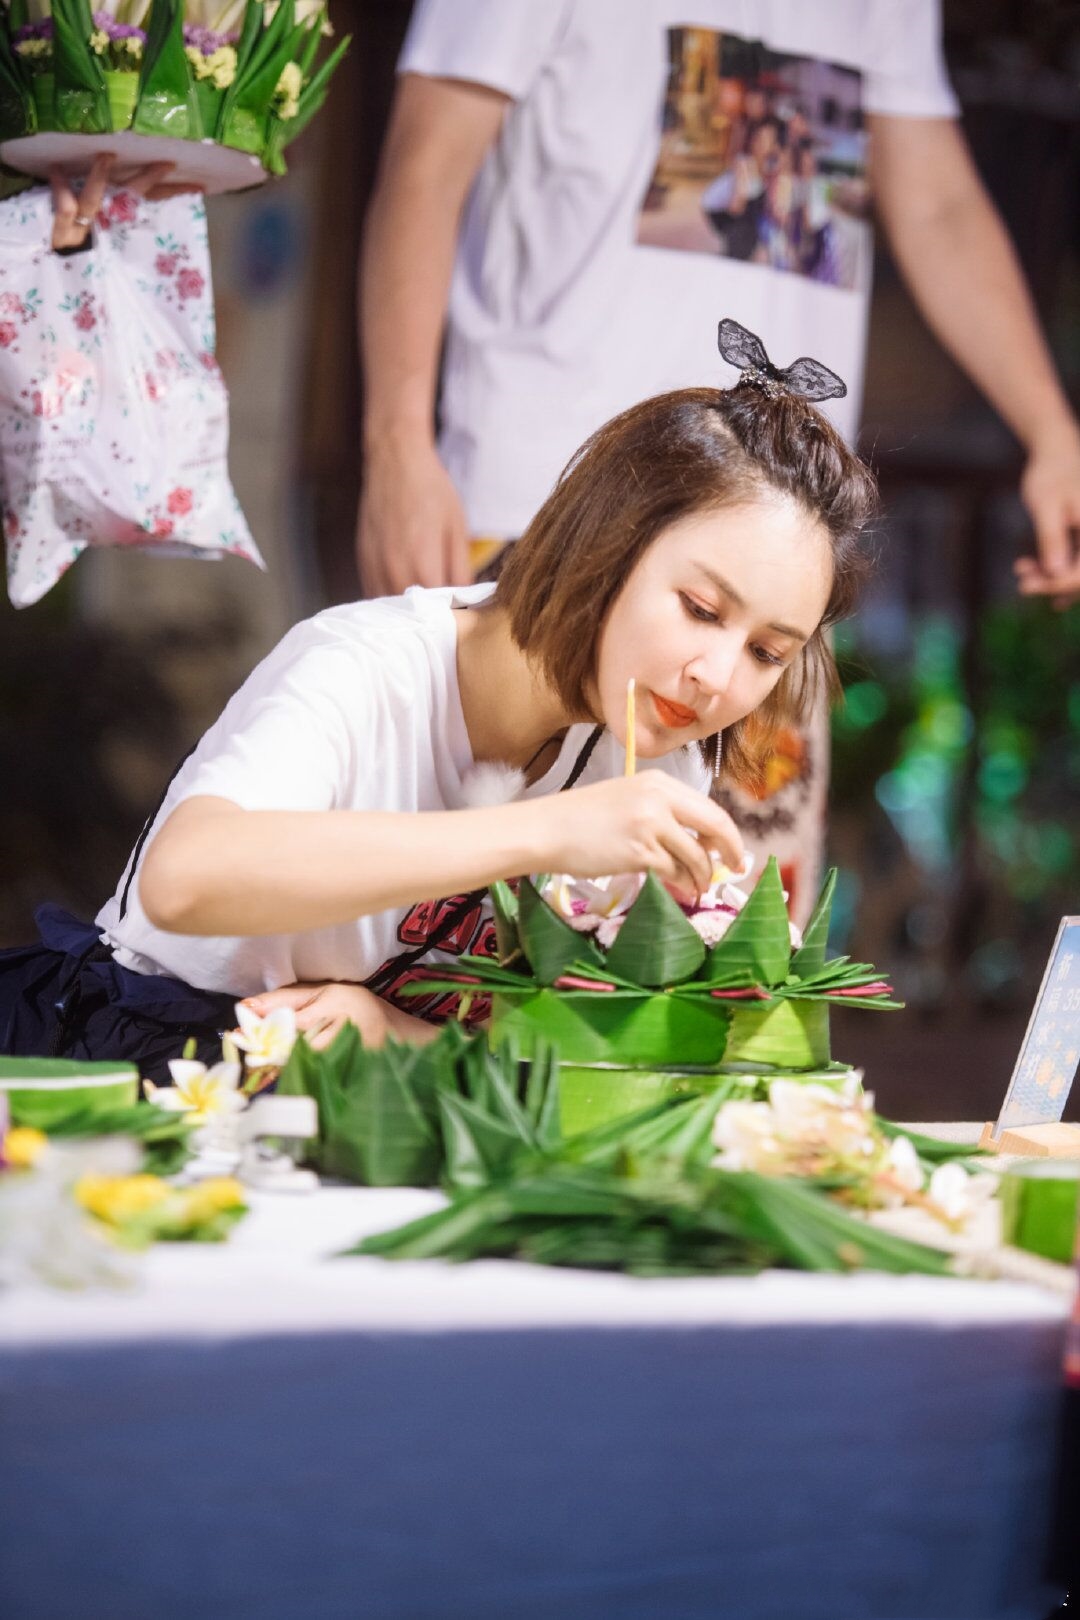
<point x="113" y="410"/>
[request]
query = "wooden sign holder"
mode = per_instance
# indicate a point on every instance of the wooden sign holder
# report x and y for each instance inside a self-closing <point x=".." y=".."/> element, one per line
<point x="1055" y="1141"/>
<point x="1056" y="1013"/>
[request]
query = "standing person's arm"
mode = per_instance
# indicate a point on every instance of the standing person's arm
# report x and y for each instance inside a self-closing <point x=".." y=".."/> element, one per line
<point x="960" y="265"/>
<point x="412" y="527"/>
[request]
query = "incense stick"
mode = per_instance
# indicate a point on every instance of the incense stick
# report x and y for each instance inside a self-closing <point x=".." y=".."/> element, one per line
<point x="631" y="725"/>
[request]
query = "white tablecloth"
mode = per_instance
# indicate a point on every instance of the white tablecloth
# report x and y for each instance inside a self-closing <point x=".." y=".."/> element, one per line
<point x="261" y="1430"/>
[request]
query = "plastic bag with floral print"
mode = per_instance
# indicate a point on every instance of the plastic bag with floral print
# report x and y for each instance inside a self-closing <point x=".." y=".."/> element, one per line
<point x="113" y="411"/>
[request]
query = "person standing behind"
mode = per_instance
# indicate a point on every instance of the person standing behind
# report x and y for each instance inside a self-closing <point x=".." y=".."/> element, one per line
<point x="523" y="211"/>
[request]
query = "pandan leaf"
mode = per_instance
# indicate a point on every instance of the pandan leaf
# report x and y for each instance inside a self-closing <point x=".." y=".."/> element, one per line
<point x="167" y="103"/>
<point x="478" y="1146"/>
<point x="550" y="944"/>
<point x="82" y="100"/>
<point x="18" y="15"/>
<point x="656" y="945"/>
<point x="314" y="93"/>
<point x="810" y="957"/>
<point x="504" y="907"/>
<point x="759" y="940"/>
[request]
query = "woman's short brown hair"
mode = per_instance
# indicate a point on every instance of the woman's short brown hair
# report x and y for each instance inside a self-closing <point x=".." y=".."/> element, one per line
<point x="696" y="450"/>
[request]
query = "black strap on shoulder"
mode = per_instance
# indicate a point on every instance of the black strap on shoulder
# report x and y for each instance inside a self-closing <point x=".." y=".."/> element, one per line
<point x="457" y="913"/>
<point x="144" y="835"/>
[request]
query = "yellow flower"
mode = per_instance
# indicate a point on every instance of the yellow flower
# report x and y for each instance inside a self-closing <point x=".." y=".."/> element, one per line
<point x="115" y="1199"/>
<point x="99" y="41"/>
<point x="208" y="1198"/>
<point x="21" y="1146"/>
<point x="222" y="66"/>
<point x="287" y="90"/>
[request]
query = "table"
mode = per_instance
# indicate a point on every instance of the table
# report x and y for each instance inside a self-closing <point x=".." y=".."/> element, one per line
<point x="258" y="1430"/>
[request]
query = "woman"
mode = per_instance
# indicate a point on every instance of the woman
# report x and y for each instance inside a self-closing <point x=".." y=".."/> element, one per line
<point x="699" y="543"/>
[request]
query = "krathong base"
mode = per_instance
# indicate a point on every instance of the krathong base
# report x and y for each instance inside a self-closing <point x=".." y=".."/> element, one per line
<point x="213" y="168"/>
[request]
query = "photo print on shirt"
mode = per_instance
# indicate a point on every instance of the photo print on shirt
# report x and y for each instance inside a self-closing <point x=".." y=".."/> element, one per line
<point x="763" y="159"/>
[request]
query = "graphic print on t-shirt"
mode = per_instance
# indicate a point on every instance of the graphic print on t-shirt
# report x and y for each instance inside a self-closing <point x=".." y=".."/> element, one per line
<point x="762" y="158"/>
<point x="473" y="933"/>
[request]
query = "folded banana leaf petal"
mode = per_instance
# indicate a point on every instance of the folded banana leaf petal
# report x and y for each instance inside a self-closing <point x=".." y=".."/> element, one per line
<point x="167" y="103"/>
<point x="784" y="1034"/>
<point x="656" y="944"/>
<point x="550" y="944"/>
<point x="810" y="956"/>
<point x="82" y="100"/>
<point x="759" y="940"/>
<point x="504" y="908"/>
<point x="640" y="1032"/>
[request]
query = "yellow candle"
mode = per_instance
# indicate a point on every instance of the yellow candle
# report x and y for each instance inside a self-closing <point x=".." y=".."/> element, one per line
<point x="631" y="724"/>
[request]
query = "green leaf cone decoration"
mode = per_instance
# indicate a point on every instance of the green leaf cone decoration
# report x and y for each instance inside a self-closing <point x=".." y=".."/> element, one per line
<point x="786" y="1034"/>
<point x="810" y="956"/>
<point x="81" y="98"/>
<point x="759" y="940"/>
<point x="167" y="103"/>
<point x="550" y="944"/>
<point x="656" y="944"/>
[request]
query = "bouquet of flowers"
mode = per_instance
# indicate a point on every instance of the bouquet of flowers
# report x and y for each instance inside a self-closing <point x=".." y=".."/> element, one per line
<point x="217" y="87"/>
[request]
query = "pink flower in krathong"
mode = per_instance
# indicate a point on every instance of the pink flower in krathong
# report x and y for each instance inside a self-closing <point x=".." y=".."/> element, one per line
<point x="8" y="333"/>
<point x="594" y="905"/>
<point x="11" y="304"/>
<point x="122" y="208"/>
<point x="162" y="529"/>
<point x="189" y="283"/>
<point x="165" y="264"/>
<point x="179" y="502"/>
<point x="85" y="319"/>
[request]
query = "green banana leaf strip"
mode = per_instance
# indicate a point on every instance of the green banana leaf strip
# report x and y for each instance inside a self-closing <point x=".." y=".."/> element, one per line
<point x="810" y="956"/>
<point x="167" y="103"/>
<point x="82" y="100"/>
<point x="550" y="944"/>
<point x="759" y="940"/>
<point x="165" y="1136"/>
<point x="656" y="945"/>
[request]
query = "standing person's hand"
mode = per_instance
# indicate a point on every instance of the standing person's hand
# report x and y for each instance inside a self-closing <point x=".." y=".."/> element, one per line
<point x="1051" y="491"/>
<point x="412" y="528"/>
<point x="74" y="212"/>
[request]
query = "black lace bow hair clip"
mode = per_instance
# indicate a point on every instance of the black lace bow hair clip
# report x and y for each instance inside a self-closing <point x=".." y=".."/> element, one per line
<point x="805" y="377"/>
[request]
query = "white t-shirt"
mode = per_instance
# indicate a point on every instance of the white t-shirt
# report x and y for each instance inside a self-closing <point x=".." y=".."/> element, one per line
<point x="588" y="274"/>
<point x="355" y="709"/>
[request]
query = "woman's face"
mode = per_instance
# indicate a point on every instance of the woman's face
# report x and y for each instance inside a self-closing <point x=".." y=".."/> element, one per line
<point x="713" y="613"/>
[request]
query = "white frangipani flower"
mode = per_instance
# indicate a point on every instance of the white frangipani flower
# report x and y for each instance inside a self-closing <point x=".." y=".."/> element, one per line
<point x="198" y="1091"/>
<point x="266" y="1042"/>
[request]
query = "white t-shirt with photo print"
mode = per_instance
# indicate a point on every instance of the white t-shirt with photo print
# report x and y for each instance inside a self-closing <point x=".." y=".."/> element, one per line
<point x="563" y="311"/>
<point x="357" y="708"/>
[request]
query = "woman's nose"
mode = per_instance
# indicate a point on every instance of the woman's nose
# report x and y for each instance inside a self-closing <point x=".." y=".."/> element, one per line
<point x="716" y="666"/>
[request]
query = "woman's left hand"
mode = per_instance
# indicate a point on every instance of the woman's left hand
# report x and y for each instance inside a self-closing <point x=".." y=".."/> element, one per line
<point x="322" y="1011"/>
<point x="74" y="212"/>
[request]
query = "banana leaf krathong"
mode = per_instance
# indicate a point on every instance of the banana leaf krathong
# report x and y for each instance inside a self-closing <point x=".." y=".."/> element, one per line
<point x="78" y="72"/>
<point x="638" y="1019"/>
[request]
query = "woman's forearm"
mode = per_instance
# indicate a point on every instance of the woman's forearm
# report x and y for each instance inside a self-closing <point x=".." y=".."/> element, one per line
<point x="215" y="869"/>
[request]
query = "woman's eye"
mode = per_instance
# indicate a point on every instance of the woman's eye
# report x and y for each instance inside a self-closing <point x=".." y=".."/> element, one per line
<point x="696" y="611"/>
<point x="764" y="656"/>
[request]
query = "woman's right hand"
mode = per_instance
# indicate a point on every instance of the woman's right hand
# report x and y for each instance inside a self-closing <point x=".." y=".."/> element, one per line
<point x="630" y="824"/>
<point x="411" y="528"/>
